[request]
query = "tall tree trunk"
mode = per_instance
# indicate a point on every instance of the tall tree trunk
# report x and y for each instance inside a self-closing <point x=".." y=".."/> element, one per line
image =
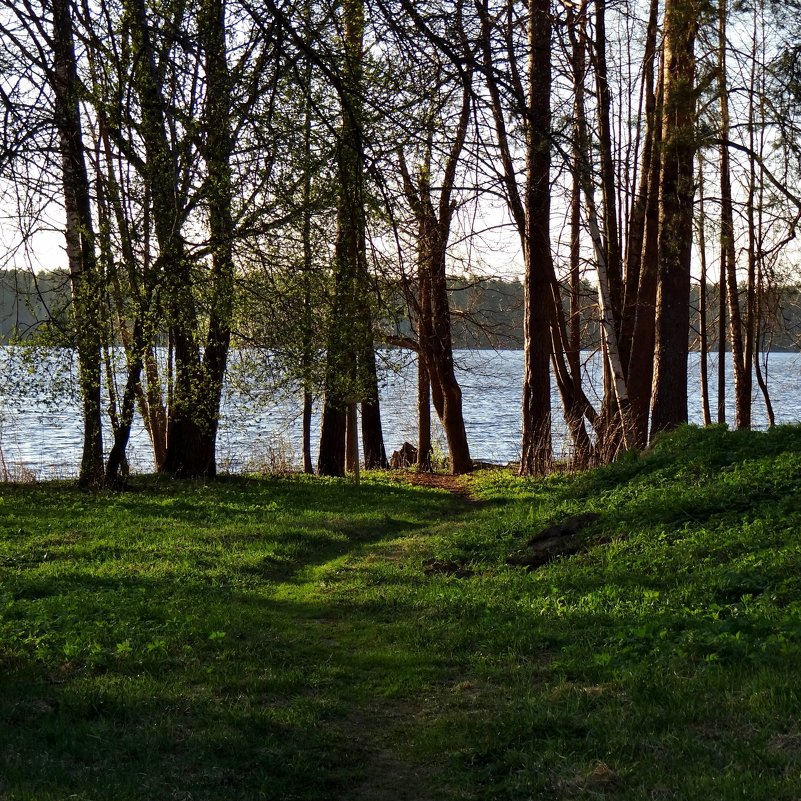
<point x="308" y="311"/>
<point x="611" y="239"/>
<point x="702" y="290"/>
<point x="536" y="446"/>
<point x="349" y="335"/>
<point x="643" y="337"/>
<point x="742" y="392"/>
<point x="219" y="192"/>
<point x="185" y="453"/>
<point x="757" y="120"/>
<point x="676" y="217"/>
<point x="754" y="229"/>
<point x="80" y="243"/>
<point x="434" y="319"/>
<point x="722" y="340"/>
<point x="544" y="328"/>
<point x="614" y="429"/>
<point x="639" y="208"/>
<point x="614" y="424"/>
<point x="582" y="447"/>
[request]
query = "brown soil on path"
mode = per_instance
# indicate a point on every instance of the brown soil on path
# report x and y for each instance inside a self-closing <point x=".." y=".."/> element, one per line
<point x="456" y="485"/>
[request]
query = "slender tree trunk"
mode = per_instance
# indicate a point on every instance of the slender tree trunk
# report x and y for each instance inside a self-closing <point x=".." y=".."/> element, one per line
<point x="754" y="233"/>
<point x="611" y="238"/>
<point x="702" y="290"/>
<point x="763" y="385"/>
<point x="544" y="329"/>
<point x="80" y="243"/>
<point x="442" y="361"/>
<point x="574" y="351"/>
<point x="434" y="334"/>
<point x="423" y="417"/>
<point x="614" y="425"/>
<point x="156" y="413"/>
<point x="676" y="217"/>
<point x="426" y="375"/>
<point x="122" y="434"/>
<point x="722" y="341"/>
<point x="136" y="338"/>
<point x="742" y="392"/>
<point x="641" y="360"/>
<point x="434" y="319"/>
<point x="141" y="287"/>
<point x="637" y="219"/>
<point x="375" y="455"/>
<point x="121" y="413"/>
<point x="758" y="88"/>
<point x="614" y="430"/>
<point x="582" y="448"/>
<point x="308" y="311"/>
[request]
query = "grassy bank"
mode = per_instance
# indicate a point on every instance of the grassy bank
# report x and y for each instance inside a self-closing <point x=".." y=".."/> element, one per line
<point x="283" y="638"/>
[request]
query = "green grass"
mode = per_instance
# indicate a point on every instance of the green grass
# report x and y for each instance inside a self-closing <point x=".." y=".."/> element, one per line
<point x="279" y="638"/>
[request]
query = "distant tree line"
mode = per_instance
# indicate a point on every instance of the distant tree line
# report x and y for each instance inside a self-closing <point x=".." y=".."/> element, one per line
<point x="486" y="314"/>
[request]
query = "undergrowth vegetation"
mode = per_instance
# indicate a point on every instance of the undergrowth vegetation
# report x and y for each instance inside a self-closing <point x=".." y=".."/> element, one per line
<point x="283" y="639"/>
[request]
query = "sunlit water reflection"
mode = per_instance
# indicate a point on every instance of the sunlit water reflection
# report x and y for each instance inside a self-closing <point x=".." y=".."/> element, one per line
<point x="40" y="428"/>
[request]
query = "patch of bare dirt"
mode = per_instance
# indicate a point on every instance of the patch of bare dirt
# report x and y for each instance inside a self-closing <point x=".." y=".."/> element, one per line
<point x="456" y="485"/>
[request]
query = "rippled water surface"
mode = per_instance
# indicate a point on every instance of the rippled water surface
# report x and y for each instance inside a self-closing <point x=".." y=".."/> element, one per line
<point x="40" y="426"/>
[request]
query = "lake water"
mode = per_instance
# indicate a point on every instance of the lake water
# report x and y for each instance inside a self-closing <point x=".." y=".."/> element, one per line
<point x="40" y="428"/>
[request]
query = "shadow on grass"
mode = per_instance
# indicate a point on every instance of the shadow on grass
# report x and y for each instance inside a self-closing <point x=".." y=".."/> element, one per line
<point x="144" y="689"/>
<point x="155" y="653"/>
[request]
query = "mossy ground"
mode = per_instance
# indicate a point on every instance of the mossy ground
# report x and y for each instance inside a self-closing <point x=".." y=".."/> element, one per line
<point x="278" y="638"/>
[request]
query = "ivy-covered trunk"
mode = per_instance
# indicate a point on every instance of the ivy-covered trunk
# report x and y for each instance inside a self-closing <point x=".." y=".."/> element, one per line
<point x="348" y="377"/>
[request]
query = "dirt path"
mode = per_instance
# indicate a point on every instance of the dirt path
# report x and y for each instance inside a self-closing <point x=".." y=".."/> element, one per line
<point x="378" y="731"/>
<point x="389" y="773"/>
<point x="456" y="485"/>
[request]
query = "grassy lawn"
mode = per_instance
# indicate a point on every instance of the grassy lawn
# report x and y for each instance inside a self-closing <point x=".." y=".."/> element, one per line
<point x="273" y="638"/>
